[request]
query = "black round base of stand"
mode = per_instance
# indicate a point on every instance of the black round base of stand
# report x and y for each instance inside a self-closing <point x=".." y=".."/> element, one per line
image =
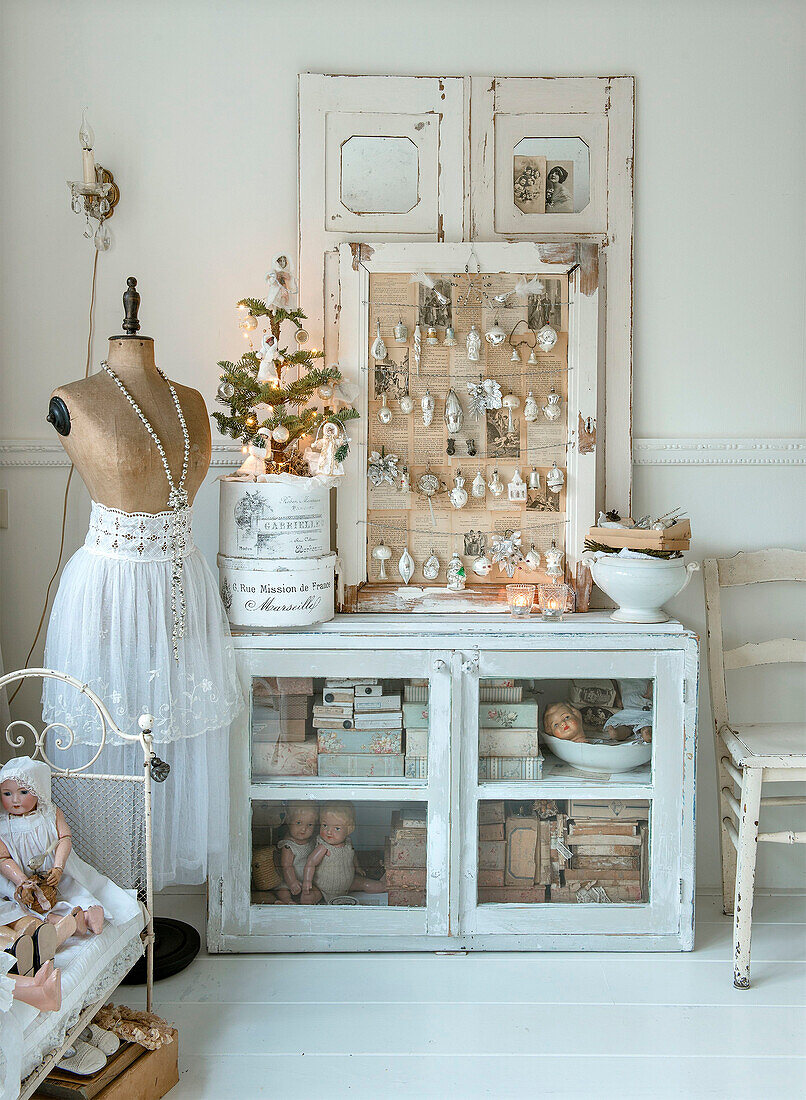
<point x="176" y="945"/>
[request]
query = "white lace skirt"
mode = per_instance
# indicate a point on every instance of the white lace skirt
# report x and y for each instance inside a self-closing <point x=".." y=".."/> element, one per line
<point x="111" y="627"/>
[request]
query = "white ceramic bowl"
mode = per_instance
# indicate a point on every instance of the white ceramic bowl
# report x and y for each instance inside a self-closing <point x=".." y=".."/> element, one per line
<point x="641" y="586"/>
<point x="620" y="756"/>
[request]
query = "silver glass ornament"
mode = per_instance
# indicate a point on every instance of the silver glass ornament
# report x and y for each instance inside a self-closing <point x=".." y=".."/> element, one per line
<point x="454" y="416"/>
<point x="479" y="487"/>
<point x="495" y="484"/>
<point x="450" y="337"/>
<point x="531" y="410"/>
<point x="401" y="332"/>
<point x="382" y="554"/>
<point x="552" y="410"/>
<point x="431" y="567"/>
<point x="555" y="478"/>
<point x="458" y="494"/>
<point x="406" y="403"/>
<point x="384" y="412"/>
<point x="427" y="404"/>
<point x="378" y="349"/>
<point x="405" y="566"/>
<point x="546" y="338"/>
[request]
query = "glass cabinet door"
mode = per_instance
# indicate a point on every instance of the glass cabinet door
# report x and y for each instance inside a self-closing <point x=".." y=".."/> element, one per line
<point x="346" y="803"/>
<point x="561" y="807"/>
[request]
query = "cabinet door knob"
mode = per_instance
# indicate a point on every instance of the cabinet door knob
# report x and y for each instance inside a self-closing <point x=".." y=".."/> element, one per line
<point x="439" y="665"/>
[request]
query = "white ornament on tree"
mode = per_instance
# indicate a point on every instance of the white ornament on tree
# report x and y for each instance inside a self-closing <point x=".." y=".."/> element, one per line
<point x="280" y="434"/>
<point x="268" y="355"/>
<point x="280" y="283"/>
<point x="328" y="465"/>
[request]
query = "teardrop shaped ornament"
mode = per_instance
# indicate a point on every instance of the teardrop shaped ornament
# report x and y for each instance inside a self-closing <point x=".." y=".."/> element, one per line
<point x="405" y="566"/>
<point x="454" y="415"/>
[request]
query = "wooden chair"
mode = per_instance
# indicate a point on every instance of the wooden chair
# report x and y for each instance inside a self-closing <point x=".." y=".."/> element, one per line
<point x="749" y="755"/>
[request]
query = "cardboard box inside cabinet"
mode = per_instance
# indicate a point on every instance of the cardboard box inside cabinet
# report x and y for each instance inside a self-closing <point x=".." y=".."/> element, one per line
<point x="503" y="895"/>
<point x="150" y="1076"/>
<point x="285" y="758"/>
<point x="491" y="813"/>
<point x="290" y="729"/>
<point x="407" y="851"/>
<point x="492" y="854"/>
<point x="522" y="839"/>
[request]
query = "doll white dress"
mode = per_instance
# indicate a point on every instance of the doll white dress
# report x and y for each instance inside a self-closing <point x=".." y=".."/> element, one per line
<point x="636" y="708"/>
<point x="112" y="628"/>
<point x="10" y="1033"/>
<point x="32" y="834"/>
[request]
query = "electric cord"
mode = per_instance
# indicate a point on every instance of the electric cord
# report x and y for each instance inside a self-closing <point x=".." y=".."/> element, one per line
<point x="90" y="332"/>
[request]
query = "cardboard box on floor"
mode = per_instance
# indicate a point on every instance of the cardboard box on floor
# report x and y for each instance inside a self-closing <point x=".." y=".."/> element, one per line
<point x="151" y="1075"/>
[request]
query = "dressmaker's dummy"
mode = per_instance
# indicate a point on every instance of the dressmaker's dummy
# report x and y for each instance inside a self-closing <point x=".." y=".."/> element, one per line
<point x="138" y="616"/>
<point x="112" y="453"/>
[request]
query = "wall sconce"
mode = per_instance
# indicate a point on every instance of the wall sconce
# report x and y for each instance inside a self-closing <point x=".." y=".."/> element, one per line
<point x="97" y="195"/>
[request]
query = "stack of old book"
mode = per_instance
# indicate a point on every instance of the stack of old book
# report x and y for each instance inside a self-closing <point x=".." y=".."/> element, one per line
<point x="405" y="857"/>
<point x="281" y="744"/>
<point x="609" y="862"/>
<point x="520" y="854"/>
<point x="415" y="732"/>
<point x="508" y="738"/>
<point x="359" y="730"/>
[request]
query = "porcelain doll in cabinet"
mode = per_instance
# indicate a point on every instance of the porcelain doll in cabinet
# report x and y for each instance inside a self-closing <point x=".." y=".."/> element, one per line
<point x="331" y="870"/>
<point x="301" y="819"/>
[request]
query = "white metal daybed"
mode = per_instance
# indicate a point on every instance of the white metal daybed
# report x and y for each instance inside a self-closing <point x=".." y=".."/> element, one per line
<point x="119" y="845"/>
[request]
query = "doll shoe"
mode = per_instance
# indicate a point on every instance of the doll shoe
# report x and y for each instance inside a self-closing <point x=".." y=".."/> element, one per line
<point x="22" y="948"/>
<point x="105" y="1041"/>
<point x="82" y="1059"/>
<point x="46" y="940"/>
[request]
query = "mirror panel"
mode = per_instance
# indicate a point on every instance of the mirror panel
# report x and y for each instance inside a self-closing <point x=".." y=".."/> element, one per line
<point x="379" y="174"/>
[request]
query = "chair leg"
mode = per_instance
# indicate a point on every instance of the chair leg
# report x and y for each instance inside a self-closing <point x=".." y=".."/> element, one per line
<point x="727" y="850"/>
<point x="746" y="875"/>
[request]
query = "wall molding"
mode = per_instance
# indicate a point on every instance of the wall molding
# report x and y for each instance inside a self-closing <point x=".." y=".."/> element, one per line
<point x="33" y="453"/>
<point x="719" y="452"/>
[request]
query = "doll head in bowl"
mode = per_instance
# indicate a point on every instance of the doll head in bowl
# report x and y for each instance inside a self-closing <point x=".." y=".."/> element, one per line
<point x="301" y="819"/>
<point x="563" y="720"/>
<point x="336" y="822"/>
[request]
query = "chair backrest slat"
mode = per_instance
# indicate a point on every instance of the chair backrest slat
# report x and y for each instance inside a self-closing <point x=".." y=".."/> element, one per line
<point x="746" y="568"/>
<point x="779" y="651"/>
<point x="762" y="565"/>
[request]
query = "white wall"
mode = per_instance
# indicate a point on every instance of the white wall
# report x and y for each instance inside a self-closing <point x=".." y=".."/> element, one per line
<point x="194" y="109"/>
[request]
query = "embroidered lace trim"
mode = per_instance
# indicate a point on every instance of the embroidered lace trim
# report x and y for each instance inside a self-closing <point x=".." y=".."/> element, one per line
<point x="138" y="536"/>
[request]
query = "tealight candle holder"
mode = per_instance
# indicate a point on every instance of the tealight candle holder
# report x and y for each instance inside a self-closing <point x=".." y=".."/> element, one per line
<point x="520" y="598"/>
<point x="552" y="600"/>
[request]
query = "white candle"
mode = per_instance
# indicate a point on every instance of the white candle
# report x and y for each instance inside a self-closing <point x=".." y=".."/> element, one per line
<point x="88" y="157"/>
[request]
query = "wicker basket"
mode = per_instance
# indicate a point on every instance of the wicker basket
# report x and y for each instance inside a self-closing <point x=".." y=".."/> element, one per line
<point x="265" y="875"/>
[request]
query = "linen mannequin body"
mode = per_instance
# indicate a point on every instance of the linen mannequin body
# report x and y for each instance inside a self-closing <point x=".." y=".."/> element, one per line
<point x="115" y="458"/>
<point x="138" y="616"/>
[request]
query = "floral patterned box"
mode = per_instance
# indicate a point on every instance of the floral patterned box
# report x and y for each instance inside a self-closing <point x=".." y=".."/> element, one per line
<point x="508" y="715"/>
<point x="284" y="757"/>
<point x="360" y="741"/>
<point x="378" y="765"/>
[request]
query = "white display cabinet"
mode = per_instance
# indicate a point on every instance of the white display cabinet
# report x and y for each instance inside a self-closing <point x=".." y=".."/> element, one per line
<point x="436" y="805"/>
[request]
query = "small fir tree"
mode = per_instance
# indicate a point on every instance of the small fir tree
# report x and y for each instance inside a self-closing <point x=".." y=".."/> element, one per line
<point x="277" y="411"/>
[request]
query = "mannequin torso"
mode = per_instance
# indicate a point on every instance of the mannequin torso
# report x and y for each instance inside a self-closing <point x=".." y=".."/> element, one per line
<point x="112" y="451"/>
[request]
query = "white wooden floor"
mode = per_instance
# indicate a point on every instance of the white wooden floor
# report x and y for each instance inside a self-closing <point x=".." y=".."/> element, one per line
<point x="498" y="1025"/>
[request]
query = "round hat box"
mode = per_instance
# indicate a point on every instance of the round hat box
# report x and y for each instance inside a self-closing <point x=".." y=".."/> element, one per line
<point x="263" y="595"/>
<point x="282" y="516"/>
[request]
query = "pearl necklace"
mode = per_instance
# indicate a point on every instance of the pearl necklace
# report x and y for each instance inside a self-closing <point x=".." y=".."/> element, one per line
<point x="177" y="502"/>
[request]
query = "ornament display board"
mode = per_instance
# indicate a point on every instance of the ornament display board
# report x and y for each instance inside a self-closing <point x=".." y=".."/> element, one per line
<point x="478" y="431"/>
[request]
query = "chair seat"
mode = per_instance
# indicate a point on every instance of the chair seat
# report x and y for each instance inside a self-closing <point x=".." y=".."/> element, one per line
<point x="768" y="745"/>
